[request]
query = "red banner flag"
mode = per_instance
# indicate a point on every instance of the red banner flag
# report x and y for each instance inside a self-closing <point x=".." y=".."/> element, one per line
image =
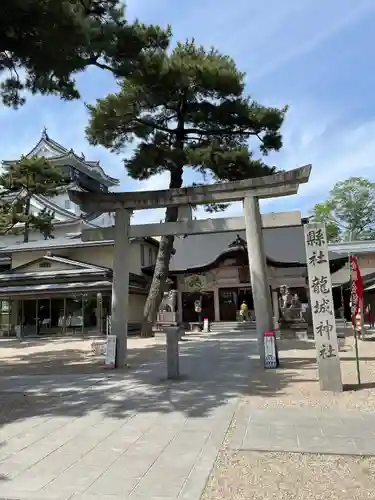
<point x="357" y="291"/>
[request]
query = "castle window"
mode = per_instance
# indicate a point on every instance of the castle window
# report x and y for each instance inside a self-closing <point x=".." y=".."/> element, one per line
<point x="45" y="265"/>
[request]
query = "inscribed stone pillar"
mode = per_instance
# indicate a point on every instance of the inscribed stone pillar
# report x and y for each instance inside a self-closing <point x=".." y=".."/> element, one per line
<point x="99" y="313"/>
<point x="323" y="314"/>
<point x="120" y="285"/>
<point x="179" y="307"/>
<point x="275" y="305"/>
<point x="308" y="314"/>
<point x="258" y="271"/>
<point x="216" y="304"/>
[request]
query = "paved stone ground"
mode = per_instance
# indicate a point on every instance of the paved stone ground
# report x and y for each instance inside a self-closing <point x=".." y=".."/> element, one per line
<point x="128" y="435"/>
<point x="304" y="430"/>
<point x="62" y="355"/>
<point x="111" y="436"/>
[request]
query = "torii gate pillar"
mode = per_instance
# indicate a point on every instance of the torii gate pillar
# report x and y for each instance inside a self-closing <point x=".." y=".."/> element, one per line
<point x="120" y="285"/>
<point x="258" y="271"/>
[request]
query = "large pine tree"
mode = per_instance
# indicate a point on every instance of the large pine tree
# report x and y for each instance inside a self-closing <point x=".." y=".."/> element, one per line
<point x="19" y="182"/>
<point x="187" y="109"/>
<point x="45" y="43"/>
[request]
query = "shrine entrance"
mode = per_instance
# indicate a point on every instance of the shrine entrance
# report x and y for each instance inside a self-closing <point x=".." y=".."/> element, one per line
<point x="246" y="295"/>
<point x="230" y="300"/>
<point x="188" y="310"/>
<point x="249" y="191"/>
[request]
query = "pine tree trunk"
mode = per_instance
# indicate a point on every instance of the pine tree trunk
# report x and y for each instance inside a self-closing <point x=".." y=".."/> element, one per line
<point x="161" y="271"/>
<point x="27" y="223"/>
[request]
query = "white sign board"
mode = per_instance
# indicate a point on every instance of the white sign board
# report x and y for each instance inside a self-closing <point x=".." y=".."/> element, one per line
<point x="323" y="314"/>
<point x="197" y="306"/>
<point x="110" y="355"/>
<point x="270" y="360"/>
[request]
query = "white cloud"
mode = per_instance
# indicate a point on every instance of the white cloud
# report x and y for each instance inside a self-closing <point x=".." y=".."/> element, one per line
<point x="160" y="181"/>
<point x="154" y="183"/>
<point x="296" y="42"/>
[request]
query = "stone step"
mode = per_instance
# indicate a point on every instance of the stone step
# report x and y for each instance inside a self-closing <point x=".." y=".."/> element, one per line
<point x="221" y="326"/>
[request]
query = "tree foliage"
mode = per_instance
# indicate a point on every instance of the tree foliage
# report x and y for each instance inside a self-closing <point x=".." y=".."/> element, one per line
<point x="20" y="181"/>
<point x="45" y="43"/>
<point x="349" y="211"/>
<point x="187" y="108"/>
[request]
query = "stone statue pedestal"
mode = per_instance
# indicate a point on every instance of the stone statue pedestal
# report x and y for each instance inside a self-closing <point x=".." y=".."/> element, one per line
<point x="166" y="318"/>
<point x="173" y="353"/>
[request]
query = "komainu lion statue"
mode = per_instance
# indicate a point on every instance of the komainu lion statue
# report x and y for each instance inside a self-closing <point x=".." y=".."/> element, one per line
<point x="168" y="303"/>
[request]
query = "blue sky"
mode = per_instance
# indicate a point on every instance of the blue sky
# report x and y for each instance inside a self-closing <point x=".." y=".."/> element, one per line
<point x="317" y="57"/>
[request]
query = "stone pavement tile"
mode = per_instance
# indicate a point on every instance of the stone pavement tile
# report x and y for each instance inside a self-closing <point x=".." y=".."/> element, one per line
<point x="10" y="494"/>
<point x="29" y="482"/>
<point x="53" y="464"/>
<point x="293" y="431"/>
<point x="271" y="443"/>
<point x="53" y="454"/>
<point x="121" y="477"/>
<point x="116" y="481"/>
<point x="82" y="444"/>
<point x="305" y="430"/>
<point x="197" y="479"/>
<point x="112" y="447"/>
<point x="10" y="468"/>
<point x="340" y="446"/>
<point x="240" y="425"/>
<point x="330" y="445"/>
<point x="31" y="455"/>
<point x="88" y="496"/>
<point x="364" y="446"/>
<point x="75" y="427"/>
<point x="76" y="479"/>
<point x="160" y="483"/>
<point x="283" y="416"/>
<point x="307" y="439"/>
<point x="13" y="429"/>
<point x="25" y="439"/>
<point x="168" y="474"/>
<point x="143" y="446"/>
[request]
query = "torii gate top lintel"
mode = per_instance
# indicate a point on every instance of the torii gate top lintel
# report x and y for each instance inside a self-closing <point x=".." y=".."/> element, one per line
<point x="279" y="184"/>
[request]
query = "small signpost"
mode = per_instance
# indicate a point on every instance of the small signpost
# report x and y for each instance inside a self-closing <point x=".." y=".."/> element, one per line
<point x="198" y="310"/>
<point x="110" y="353"/>
<point x="323" y="316"/>
<point x="270" y="353"/>
<point x="206" y="325"/>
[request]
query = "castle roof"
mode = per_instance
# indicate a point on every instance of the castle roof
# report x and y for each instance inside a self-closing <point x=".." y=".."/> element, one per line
<point x="59" y="155"/>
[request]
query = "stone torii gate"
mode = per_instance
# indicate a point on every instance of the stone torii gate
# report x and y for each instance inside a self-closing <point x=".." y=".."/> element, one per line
<point x="248" y="190"/>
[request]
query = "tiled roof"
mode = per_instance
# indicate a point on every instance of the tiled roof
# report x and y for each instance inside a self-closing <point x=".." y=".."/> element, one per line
<point x="284" y="245"/>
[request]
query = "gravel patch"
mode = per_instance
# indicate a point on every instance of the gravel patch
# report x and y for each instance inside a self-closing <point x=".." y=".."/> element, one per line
<point x="295" y="383"/>
<point x="288" y="476"/>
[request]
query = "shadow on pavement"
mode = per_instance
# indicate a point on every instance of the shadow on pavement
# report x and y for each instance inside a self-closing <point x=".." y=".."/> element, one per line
<point x="215" y="370"/>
